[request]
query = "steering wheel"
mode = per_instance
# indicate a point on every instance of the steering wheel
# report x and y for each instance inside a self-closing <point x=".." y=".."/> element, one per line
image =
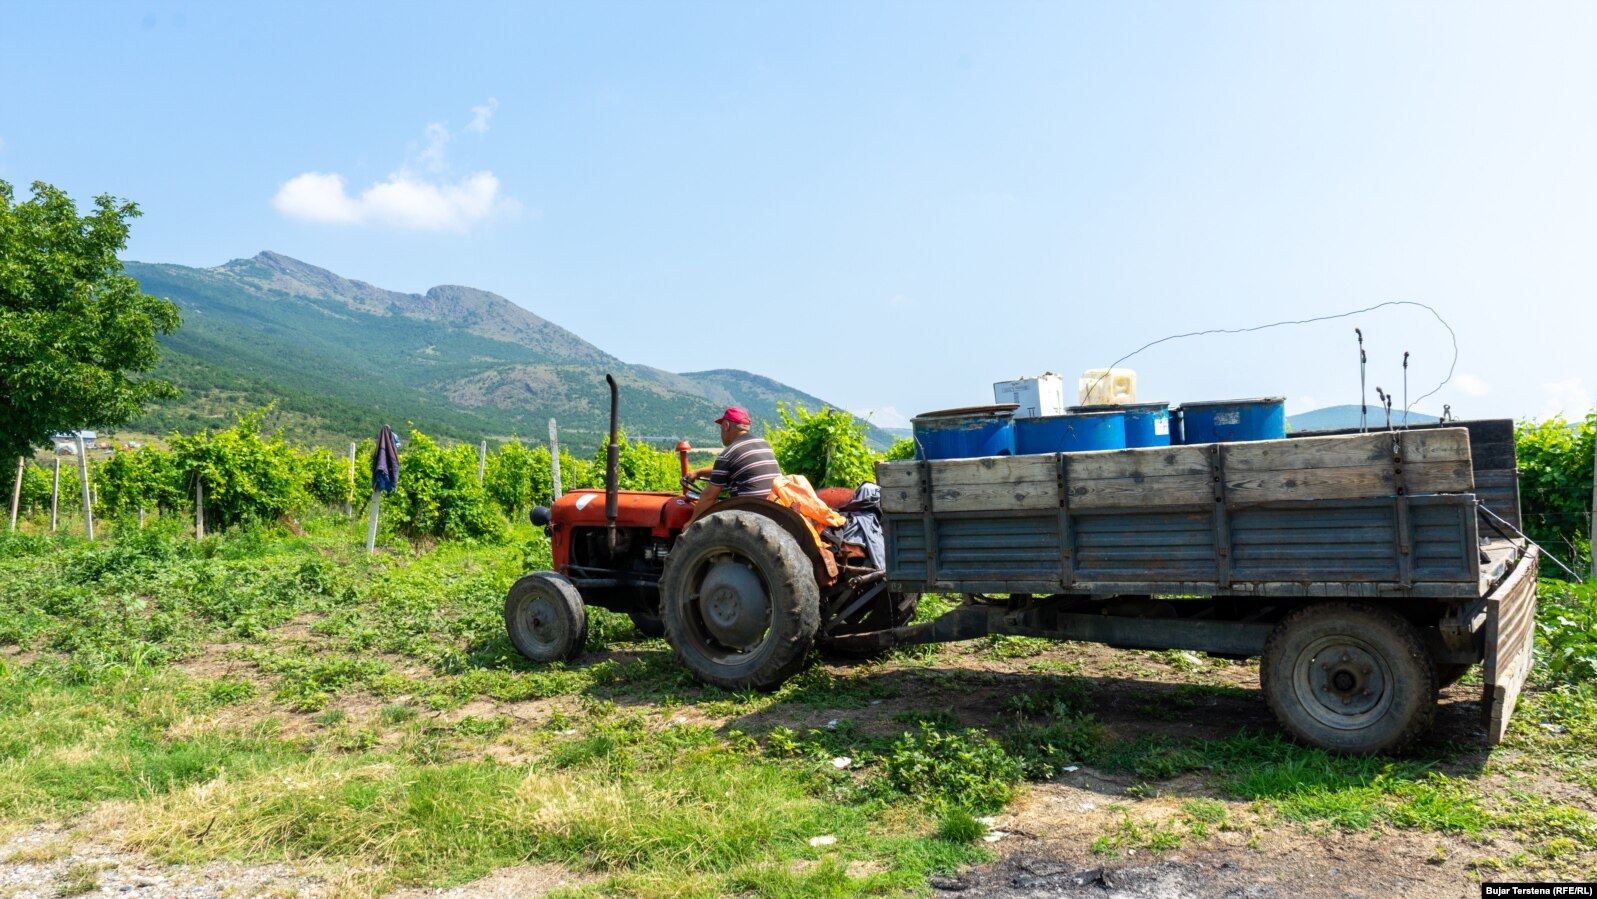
<point x="692" y="486"/>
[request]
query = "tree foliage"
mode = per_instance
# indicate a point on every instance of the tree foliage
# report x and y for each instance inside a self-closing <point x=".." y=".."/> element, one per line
<point x="75" y="331"/>
<point x="828" y="447"/>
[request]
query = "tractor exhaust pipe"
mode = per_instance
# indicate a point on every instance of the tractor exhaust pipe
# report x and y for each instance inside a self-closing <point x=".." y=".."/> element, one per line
<point x="612" y="464"/>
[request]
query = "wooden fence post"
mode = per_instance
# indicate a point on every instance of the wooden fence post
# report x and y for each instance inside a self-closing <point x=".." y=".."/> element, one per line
<point x="199" y="507"/>
<point x="83" y="473"/>
<point x="482" y="460"/>
<point x="16" y="492"/>
<point x="554" y="457"/>
<point x="55" y="493"/>
<point x="371" y="524"/>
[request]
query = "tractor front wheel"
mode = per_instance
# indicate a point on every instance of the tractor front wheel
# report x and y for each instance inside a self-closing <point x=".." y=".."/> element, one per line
<point x="545" y="617"/>
<point x="739" y="601"/>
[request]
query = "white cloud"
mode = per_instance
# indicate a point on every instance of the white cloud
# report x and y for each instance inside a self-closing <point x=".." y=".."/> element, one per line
<point x="431" y="156"/>
<point x="317" y="197"/>
<point x="1570" y="398"/>
<point x="405" y="201"/>
<point x="1470" y="385"/>
<point x="421" y="195"/>
<point x="480" y="116"/>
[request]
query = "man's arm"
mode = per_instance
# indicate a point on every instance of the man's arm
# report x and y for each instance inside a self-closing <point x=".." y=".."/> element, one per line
<point x="706" y="500"/>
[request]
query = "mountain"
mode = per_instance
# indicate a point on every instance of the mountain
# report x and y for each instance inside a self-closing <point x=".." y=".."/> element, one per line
<point x="1333" y="417"/>
<point x="340" y="357"/>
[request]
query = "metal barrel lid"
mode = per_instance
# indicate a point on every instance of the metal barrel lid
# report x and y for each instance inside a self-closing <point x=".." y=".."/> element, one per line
<point x="996" y="410"/>
<point x="1248" y="402"/>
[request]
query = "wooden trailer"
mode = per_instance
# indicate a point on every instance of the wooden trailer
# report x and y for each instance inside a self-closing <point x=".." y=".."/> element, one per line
<point x="1359" y="567"/>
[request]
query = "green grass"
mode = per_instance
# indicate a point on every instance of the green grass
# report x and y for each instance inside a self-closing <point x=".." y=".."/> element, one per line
<point x="262" y="696"/>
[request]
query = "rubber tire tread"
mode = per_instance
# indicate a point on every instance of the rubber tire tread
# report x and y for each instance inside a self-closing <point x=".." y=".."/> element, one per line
<point x="1413" y="676"/>
<point x="795" y="598"/>
<point x="568" y="604"/>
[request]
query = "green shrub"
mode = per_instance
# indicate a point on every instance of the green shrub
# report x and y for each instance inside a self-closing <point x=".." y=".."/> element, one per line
<point x="903" y="448"/>
<point x="247" y="476"/>
<point x="518" y="477"/>
<point x="966" y="769"/>
<point x="326" y="478"/>
<point x="146" y="478"/>
<point x="1566" y="628"/>
<point x="1555" y="483"/>
<point x="827" y="447"/>
<point x="639" y="467"/>
<point x="438" y="494"/>
<point x="35" y="490"/>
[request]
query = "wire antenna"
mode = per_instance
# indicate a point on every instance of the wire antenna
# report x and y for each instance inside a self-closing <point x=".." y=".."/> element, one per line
<point x="1364" y="401"/>
<point x="1405" y="389"/>
<point x="1308" y="321"/>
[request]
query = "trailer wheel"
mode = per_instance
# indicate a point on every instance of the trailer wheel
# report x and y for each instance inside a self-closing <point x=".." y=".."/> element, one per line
<point x="1349" y="678"/>
<point x="739" y="601"/>
<point x="545" y="617"/>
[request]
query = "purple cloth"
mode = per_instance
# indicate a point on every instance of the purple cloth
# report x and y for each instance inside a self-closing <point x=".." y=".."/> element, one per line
<point x="385" y="461"/>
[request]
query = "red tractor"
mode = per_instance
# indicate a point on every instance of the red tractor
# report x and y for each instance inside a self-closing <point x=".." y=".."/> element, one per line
<point x="742" y="595"/>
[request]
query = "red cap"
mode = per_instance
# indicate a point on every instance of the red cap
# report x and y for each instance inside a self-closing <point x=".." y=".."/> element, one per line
<point x="736" y="415"/>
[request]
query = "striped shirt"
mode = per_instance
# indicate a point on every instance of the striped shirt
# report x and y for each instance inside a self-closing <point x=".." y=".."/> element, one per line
<point x="747" y="467"/>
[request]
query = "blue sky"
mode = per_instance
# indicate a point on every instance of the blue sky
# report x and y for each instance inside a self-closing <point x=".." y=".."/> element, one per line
<point x="889" y="205"/>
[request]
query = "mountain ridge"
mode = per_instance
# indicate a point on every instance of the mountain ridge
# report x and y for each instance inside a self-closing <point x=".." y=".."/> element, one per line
<point x="466" y="363"/>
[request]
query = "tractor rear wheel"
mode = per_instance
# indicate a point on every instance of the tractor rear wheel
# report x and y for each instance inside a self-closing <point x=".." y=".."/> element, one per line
<point x="1349" y="678"/>
<point x="545" y="618"/>
<point x="739" y="601"/>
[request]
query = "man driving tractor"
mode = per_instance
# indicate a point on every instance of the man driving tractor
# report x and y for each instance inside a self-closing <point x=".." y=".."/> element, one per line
<point x="747" y="467"/>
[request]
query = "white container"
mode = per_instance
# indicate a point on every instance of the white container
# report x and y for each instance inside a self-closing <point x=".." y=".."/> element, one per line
<point x="1036" y="397"/>
<point x="1100" y="386"/>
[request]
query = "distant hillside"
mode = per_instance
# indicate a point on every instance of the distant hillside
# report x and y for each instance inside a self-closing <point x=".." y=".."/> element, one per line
<point x="1332" y="417"/>
<point x="341" y="357"/>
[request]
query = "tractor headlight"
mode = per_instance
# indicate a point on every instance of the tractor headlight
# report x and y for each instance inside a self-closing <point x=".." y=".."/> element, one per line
<point x="539" y="516"/>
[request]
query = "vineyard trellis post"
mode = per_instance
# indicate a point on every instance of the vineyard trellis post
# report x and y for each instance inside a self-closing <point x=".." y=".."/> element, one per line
<point x="371" y="523"/>
<point x="482" y="460"/>
<point x="55" y="493"/>
<point x="554" y="457"/>
<point x="83" y="475"/>
<point x="199" y="507"/>
<point x="1591" y="523"/>
<point x="349" y="498"/>
<point x="16" y="492"/>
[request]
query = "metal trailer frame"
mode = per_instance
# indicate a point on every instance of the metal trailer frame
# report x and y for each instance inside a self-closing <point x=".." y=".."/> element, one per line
<point x="1206" y="548"/>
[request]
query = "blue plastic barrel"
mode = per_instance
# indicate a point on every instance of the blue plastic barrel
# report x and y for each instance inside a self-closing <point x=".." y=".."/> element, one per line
<point x="1147" y="424"/>
<point x="964" y="433"/>
<point x="1070" y="433"/>
<point x="1224" y="421"/>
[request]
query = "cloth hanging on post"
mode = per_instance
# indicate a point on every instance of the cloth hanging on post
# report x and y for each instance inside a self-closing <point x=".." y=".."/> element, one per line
<point x="385" y="461"/>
